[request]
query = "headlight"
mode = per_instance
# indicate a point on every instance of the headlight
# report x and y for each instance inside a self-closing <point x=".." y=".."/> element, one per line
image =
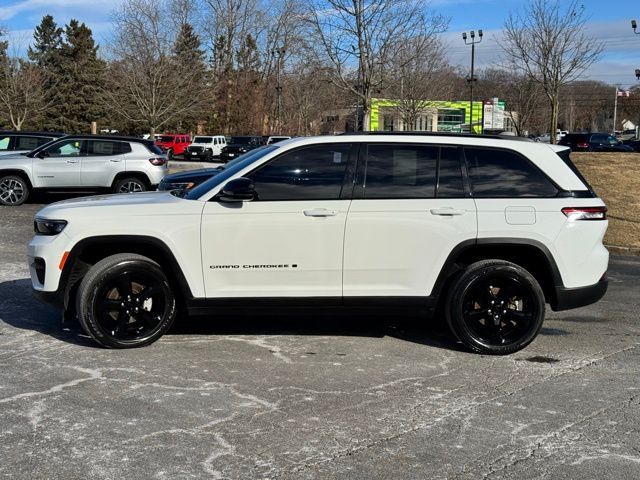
<point x="44" y="226"/>
<point x="180" y="186"/>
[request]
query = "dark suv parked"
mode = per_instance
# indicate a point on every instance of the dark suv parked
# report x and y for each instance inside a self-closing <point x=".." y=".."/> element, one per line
<point x="239" y="145"/>
<point x="20" y="142"/>
<point x="593" y="142"/>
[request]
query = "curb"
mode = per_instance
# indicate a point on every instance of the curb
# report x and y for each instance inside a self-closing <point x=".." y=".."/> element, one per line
<point x="618" y="250"/>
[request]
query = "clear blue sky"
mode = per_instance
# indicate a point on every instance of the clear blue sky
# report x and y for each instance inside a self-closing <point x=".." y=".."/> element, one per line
<point x="609" y="21"/>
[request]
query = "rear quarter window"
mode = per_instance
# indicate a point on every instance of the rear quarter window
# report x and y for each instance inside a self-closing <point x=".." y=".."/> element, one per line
<point x="499" y="173"/>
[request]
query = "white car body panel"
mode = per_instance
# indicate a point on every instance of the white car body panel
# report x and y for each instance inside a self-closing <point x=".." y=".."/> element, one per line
<point x="171" y="220"/>
<point x="398" y="247"/>
<point x="305" y="250"/>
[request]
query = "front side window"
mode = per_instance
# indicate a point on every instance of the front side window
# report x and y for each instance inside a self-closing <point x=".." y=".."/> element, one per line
<point x="401" y="171"/>
<point x="502" y="173"/>
<point x="65" y="148"/>
<point x="312" y="173"/>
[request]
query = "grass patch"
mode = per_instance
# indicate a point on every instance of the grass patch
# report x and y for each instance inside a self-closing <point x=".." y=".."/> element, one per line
<point x="616" y="179"/>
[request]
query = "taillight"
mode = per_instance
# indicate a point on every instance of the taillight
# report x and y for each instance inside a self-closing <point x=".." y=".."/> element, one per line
<point x="158" y="161"/>
<point x="585" y="213"/>
<point x="582" y="145"/>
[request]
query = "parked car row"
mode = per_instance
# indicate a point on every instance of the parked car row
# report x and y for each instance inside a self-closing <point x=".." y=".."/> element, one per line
<point x="594" y="142"/>
<point x="207" y="147"/>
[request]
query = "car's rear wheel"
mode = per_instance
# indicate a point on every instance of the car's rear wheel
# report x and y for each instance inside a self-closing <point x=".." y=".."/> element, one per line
<point x="495" y="307"/>
<point x="14" y="190"/>
<point x="170" y="154"/>
<point x="130" y="185"/>
<point x="125" y="301"/>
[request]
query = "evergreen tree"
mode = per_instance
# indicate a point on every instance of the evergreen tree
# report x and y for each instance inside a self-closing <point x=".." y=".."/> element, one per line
<point x="48" y="39"/>
<point x="80" y="72"/>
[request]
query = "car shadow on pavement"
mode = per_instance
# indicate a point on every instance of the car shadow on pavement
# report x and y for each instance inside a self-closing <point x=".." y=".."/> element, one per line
<point x="20" y="310"/>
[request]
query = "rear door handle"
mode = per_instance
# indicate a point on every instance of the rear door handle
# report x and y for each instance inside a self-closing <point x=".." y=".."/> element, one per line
<point x="320" y="212"/>
<point x="115" y="160"/>
<point x="72" y="161"/>
<point x="447" y="211"/>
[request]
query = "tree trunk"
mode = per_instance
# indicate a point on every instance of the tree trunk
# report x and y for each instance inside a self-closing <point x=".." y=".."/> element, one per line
<point x="554" y="119"/>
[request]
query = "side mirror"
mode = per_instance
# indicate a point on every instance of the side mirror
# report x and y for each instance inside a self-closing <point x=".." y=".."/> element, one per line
<point x="238" y="190"/>
<point x="42" y="154"/>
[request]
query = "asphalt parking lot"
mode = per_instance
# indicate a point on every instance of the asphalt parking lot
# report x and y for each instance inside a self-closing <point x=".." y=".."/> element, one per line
<point x="300" y="396"/>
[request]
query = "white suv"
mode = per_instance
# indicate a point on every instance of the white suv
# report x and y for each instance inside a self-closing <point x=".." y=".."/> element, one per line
<point x="82" y="162"/>
<point x="205" y="147"/>
<point x="484" y="230"/>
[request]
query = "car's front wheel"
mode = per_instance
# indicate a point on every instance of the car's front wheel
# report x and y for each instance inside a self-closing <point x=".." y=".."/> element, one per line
<point x="14" y="190"/>
<point x="125" y="301"/>
<point x="495" y="307"/>
<point x="170" y="154"/>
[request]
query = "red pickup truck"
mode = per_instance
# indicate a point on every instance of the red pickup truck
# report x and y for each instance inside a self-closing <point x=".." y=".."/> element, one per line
<point x="173" y="144"/>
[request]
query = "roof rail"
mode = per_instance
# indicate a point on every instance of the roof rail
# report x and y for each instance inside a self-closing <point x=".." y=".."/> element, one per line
<point x="440" y="134"/>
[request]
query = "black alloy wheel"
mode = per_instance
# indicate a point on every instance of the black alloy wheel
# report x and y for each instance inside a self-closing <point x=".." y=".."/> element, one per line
<point x="125" y="301"/>
<point x="495" y="307"/>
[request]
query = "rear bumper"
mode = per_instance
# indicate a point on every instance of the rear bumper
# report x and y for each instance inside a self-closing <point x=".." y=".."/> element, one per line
<point x="568" y="298"/>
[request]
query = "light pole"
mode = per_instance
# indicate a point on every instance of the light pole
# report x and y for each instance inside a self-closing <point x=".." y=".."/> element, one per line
<point x="280" y="54"/>
<point x="638" y="73"/>
<point x="471" y="40"/>
<point x="634" y="25"/>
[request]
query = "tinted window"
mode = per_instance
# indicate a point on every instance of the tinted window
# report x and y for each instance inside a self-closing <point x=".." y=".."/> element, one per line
<point x="313" y="173"/>
<point x="105" y="147"/>
<point x="401" y="171"/>
<point x="503" y="173"/>
<point x="65" y="148"/>
<point x="4" y="143"/>
<point x="29" y="143"/>
<point x="450" y="184"/>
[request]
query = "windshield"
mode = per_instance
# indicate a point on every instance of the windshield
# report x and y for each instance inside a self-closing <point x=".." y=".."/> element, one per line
<point x="202" y="140"/>
<point x="229" y="170"/>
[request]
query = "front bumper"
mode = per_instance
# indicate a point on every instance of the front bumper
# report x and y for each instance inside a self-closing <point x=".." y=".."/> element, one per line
<point x="568" y="298"/>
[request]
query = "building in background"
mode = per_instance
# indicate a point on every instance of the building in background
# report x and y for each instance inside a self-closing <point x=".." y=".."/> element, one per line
<point x="441" y="116"/>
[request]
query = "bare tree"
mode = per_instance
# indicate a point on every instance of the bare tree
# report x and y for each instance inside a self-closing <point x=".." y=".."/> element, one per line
<point x="416" y="78"/>
<point x="22" y="92"/>
<point x="146" y="84"/>
<point x="359" y="39"/>
<point x="547" y="41"/>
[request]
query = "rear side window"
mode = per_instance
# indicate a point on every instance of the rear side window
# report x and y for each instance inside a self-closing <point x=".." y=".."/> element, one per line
<point x="105" y="147"/>
<point x="153" y="148"/>
<point x="502" y="173"/>
<point x="312" y="173"/>
<point x="401" y="171"/>
<point x="566" y="158"/>
<point x="397" y="171"/>
<point x="30" y="143"/>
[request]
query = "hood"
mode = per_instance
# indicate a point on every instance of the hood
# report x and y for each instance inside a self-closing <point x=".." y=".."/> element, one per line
<point x="7" y="154"/>
<point x="199" y="174"/>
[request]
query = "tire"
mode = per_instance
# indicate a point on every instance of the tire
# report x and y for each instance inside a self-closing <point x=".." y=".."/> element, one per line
<point x="14" y="190"/>
<point x="170" y="154"/>
<point x="495" y="307"/>
<point x="130" y="185"/>
<point x="208" y="156"/>
<point x="125" y="301"/>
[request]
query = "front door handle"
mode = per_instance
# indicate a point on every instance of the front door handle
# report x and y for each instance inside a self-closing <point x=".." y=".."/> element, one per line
<point x="320" y="212"/>
<point x="115" y="160"/>
<point x="72" y="161"/>
<point x="447" y="211"/>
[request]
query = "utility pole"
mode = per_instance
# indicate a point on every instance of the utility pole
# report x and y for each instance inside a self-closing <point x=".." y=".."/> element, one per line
<point x="472" y="41"/>
<point x="279" y="52"/>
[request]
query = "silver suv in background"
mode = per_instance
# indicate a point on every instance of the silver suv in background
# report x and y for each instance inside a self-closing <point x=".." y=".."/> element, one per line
<point x="82" y="163"/>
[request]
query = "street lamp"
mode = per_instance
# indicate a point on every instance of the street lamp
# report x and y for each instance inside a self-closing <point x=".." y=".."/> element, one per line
<point x="634" y="25"/>
<point x="279" y="52"/>
<point x="471" y="40"/>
